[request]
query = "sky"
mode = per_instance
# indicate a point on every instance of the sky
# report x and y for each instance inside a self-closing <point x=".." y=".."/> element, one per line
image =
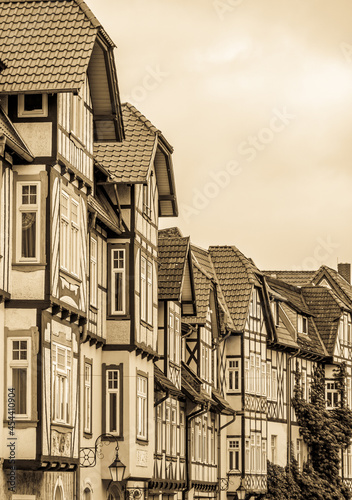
<point x="256" y="99"/>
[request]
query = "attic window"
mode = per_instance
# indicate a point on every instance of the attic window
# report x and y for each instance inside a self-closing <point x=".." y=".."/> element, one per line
<point x="302" y="324"/>
<point x="33" y="105"/>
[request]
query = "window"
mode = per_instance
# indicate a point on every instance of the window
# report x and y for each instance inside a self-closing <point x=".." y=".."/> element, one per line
<point x="33" y="105"/>
<point x="332" y="395"/>
<point x="87" y="397"/>
<point x="118" y="281"/>
<point x="171" y="335"/>
<point x="233" y="447"/>
<point x="348" y="392"/>
<point x="113" y="401"/>
<point x="28" y="223"/>
<point x="233" y="370"/>
<point x="247" y="455"/>
<point x="93" y="272"/>
<point x="264" y="456"/>
<point x="274" y="384"/>
<point x="147" y="199"/>
<point x="263" y="380"/>
<point x="146" y="291"/>
<point x="78" y="115"/>
<point x="258" y="452"/>
<point x="246" y="374"/>
<point x="347" y="462"/>
<point x="302" y="324"/>
<point x="61" y="366"/>
<point x="273" y="448"/>
<point x="19" y="376"/>
<point x="252" y="374"/>
<point x="268" y="380"/>
<point x="304" y="384"/>
<point x="257" y="374"/>
<point x="142" y="409"/>
<point x="299" y="453"/>
<point x="182" y="433"/>
<point x="252" y="453"/>
<point x="173" y="430"/>
<point x="167" y="429"/>
<point x="275" y="310"/>
<point x="70" y="251"/>
<point x="177" y="339"/>
<point x="158" y="430"/>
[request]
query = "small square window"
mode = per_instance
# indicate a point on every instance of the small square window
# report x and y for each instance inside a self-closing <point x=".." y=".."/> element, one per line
<point x="33" y="105"/>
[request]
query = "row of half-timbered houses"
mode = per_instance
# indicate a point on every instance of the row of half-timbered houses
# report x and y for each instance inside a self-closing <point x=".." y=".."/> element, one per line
<point x="120" y="337"/>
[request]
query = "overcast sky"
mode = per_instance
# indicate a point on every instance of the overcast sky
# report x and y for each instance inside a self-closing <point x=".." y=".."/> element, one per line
<point x="256" y="98"/>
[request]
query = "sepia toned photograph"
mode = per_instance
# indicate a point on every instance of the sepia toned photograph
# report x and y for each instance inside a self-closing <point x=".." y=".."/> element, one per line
<point x="175" y="250"/>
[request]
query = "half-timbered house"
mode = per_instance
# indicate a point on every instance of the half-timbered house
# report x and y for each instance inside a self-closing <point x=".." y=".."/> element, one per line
<point x="137" y="176"/>
<point x="58" y="87"/>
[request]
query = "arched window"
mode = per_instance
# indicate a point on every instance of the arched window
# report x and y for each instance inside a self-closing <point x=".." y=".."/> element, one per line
<point x="59" y="494"/>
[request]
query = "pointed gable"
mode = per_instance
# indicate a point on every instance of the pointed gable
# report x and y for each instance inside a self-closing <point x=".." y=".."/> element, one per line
<point x="335" y="281"/>
<point x="49" y="47"/>
<point x="236" y="275"/>
<point x="131" y="162"/>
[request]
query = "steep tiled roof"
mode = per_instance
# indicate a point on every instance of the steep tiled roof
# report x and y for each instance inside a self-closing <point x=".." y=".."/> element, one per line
<point x="341" y="285"/>
<point x="236" y="275"/>
<point x="8" y="130"/>
<point x="46" y="45"/>
<point x="130" y="160"/>
<point x="104" y="212"/>
<point x="170" y="232"/>
<point x="164" y="383"/>
<point x="327" y="311"/>
<point x="202" y="285"/>
<point x="296" y="278"/>
<point x="172" y="256"/>
<point x="223" y="406"/>
<point x="291" y="293"/>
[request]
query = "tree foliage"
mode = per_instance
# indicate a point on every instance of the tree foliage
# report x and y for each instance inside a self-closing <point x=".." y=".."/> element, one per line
<point x="327" y="433"/>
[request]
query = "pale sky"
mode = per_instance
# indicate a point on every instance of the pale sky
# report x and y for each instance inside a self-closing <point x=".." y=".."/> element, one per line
<point x="256" y="99"/>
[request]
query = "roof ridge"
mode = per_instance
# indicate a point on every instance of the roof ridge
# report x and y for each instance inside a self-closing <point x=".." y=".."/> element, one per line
<point x="141" y="117"/>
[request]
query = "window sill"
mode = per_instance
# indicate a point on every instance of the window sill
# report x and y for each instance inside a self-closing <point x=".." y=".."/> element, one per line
<point x="87" y="435"/>
<point x="71" y="278"/>
<point x="60" y="425"/>
<point x="142" y="441"/>
<point x="30" y="265"/>
<point x="21" y="423"/>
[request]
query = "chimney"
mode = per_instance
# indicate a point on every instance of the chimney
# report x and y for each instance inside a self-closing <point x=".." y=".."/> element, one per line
<point x="345" y="271"/>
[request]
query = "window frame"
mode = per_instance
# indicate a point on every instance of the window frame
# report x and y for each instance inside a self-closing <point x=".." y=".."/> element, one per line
<point x="113" y="272"/>
<point x="40" y="113"/>
<point x="87" y="397"/>
<point x="22" y="364"/>
<point x="142" y="407"/>
<point x="233" y="375"/>
<point x="28" y="208"/>
<point x="70" y="236"/>
<point x="93" y="275"/>
<point x="65" y="375"/>
<point x="233" y="452"/>
<point x="105" y="413"/>
<point x="146" y="290"/>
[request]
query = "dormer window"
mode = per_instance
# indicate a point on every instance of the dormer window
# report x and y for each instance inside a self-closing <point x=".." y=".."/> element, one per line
<point x="302" y="324"/>
<point x="30" y="105"/>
